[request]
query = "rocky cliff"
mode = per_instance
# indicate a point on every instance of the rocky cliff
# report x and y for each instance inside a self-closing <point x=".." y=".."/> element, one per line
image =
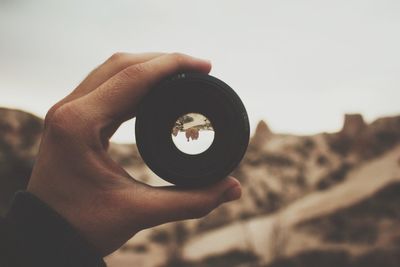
<point x="19" y="142"/>
<point x="329" y="199"/>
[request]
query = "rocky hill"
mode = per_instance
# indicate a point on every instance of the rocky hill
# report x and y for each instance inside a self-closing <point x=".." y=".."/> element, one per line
<point x="329" y="199"/>
<point x="19" y="142"/>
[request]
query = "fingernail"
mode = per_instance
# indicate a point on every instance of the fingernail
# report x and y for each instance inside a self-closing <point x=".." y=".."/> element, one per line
<point x="232" y="193"/>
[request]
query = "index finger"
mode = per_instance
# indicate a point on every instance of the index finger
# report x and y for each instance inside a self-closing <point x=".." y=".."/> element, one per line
<point x="119" y="97"/>
<point x="105" y="71"/>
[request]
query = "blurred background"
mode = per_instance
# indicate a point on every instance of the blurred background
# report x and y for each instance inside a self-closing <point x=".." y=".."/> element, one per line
<point x="321" y="188"/>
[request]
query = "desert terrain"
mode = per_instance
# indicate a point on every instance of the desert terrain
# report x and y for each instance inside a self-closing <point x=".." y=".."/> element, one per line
<point x="329" y="199"/>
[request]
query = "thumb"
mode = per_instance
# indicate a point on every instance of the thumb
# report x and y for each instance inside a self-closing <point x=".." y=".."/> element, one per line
<point x="166" y="204"/>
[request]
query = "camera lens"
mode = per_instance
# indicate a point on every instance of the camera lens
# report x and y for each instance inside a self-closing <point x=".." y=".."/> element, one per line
<point x="192" y="129"/>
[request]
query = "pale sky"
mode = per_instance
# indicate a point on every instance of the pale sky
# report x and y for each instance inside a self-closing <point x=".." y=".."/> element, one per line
<point x="300" y="65"/>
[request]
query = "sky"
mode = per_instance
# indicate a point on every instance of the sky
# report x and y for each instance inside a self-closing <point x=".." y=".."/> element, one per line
<point x="300" y="65"/>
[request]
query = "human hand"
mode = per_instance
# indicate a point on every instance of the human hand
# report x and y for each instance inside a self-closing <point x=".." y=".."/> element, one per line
<point x="74" y="174"/>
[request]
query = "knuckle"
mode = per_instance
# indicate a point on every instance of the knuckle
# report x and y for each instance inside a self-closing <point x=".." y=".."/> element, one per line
<point x="118" y="56"/>
<point x="179" y="58"/>
<point x="62" y="119"/>
<point x="134" y="71"/>
<point x="49" y="115"/>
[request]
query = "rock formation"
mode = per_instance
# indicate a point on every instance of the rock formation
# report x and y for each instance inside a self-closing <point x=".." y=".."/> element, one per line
<point x="353" y="125"/>
<point x="19" y="142"/>
<point x="321" y="200"/>
<point x="261" y="135"/>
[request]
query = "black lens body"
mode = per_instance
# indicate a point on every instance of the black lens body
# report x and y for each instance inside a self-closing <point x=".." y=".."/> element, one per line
<point x="192" y="93"/>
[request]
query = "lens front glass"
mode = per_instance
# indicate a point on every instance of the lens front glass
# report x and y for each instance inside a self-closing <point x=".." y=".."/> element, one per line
<point x="192" y="133"/>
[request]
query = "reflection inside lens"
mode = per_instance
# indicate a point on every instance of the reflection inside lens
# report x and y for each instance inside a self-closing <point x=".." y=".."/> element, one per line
<point x="192" y="133"/>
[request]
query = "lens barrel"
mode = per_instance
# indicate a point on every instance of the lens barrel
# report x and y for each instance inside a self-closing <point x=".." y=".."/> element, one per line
<point x="192" y="93"/>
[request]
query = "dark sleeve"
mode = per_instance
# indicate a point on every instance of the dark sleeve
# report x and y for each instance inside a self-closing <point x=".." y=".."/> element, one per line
<point x="32" y="234"/>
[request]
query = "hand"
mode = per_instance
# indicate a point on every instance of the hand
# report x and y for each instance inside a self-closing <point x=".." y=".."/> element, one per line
<point x="74" y="174"/>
